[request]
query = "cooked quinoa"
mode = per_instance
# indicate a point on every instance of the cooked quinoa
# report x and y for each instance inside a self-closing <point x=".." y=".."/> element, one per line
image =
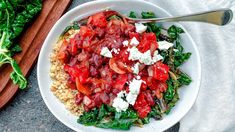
<point x="59" y="78"/>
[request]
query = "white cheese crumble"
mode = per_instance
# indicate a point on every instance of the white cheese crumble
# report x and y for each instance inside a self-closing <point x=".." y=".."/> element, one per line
<point x="105" y="52"/>
<point x="136" y="68"/>
<point x="140" y="28"/>
<point x="134" y="88"/>
<point x="164" y="45"/>
<point x="121" y="94"/>
<point x="116" y="51"/>
<point x="135" y="54"/>
<point x="131" y="98"/>
<point x="156" y="56"/>
<point x="120" y="104"/>
<point x="134" y="42"/>
<point x="125" y="43"/>
<point x="146" y="58"/>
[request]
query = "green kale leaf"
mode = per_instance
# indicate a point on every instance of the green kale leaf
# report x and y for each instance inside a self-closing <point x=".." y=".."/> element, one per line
<point x="133" y="14"/>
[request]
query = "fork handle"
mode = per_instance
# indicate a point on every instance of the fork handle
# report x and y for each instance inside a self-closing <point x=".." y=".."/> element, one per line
<point x="218" y="17"/>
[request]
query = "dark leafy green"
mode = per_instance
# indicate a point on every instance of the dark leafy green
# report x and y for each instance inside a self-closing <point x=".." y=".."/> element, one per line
<point x="14" y="15"/>
<point x="89" y="118"/>
<point x="107" y="117"/>
<point x="133" y="14"/>
<point x="151" y="27"/>
<point x="172" y="103"/>
<point x="174" y="32"/>
<point x="169" y="94"/>
<point x="176" y="57"/>
<point x="148" y="14"/>
<point x="184" y="79"/>
<point x="155" y="113"/>
<point x="180" y="58"/>
<point x="121" y="124"/>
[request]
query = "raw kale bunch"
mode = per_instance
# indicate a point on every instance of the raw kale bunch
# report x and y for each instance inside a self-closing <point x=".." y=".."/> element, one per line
<point x="14" y="15"/>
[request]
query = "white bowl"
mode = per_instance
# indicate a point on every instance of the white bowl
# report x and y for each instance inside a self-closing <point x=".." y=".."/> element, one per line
<point x="188" y="94"/>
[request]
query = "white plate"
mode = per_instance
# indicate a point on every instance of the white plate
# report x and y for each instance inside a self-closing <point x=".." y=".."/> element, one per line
<point x="192" y="67"/>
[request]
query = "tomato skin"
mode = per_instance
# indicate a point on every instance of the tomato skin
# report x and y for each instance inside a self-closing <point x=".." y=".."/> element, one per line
<point x="83" y="89"/>
<point x="72" y="71"/>
<point x="134" y="34"/>
<point x="144" y="111"/>
<point x="83" y="74"/>
<point x="86" y="32"/>
<point x="160" y="71"/>
<point x="120" y="82"/>
<point x="148" y="41"/>
<point x="123" y="55"/>
<point x="73" y="46"/>
<point x="98" y="20"/>
<point x="141" y="106"/>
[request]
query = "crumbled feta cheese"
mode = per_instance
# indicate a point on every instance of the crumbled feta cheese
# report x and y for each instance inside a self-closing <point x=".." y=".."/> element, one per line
<point x="135" y="54"/>
<point x="140" y="28"/>
<point x="156" y="56"/>
<point x="134" y="88"/>
<point x="121" y="94"/>
<point x="105" y="52"/>
<point x="125" y="43"/>
<point x="131" y="98"/>
<point x="116" y="51"/>
<point x="164" y="45"/>
<point x="134" y="42"/>
<point x="146" y="58"/>
<point x="120" y="104"/>
<point x="136" y="68"/>
<point x="138" y="77"/>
